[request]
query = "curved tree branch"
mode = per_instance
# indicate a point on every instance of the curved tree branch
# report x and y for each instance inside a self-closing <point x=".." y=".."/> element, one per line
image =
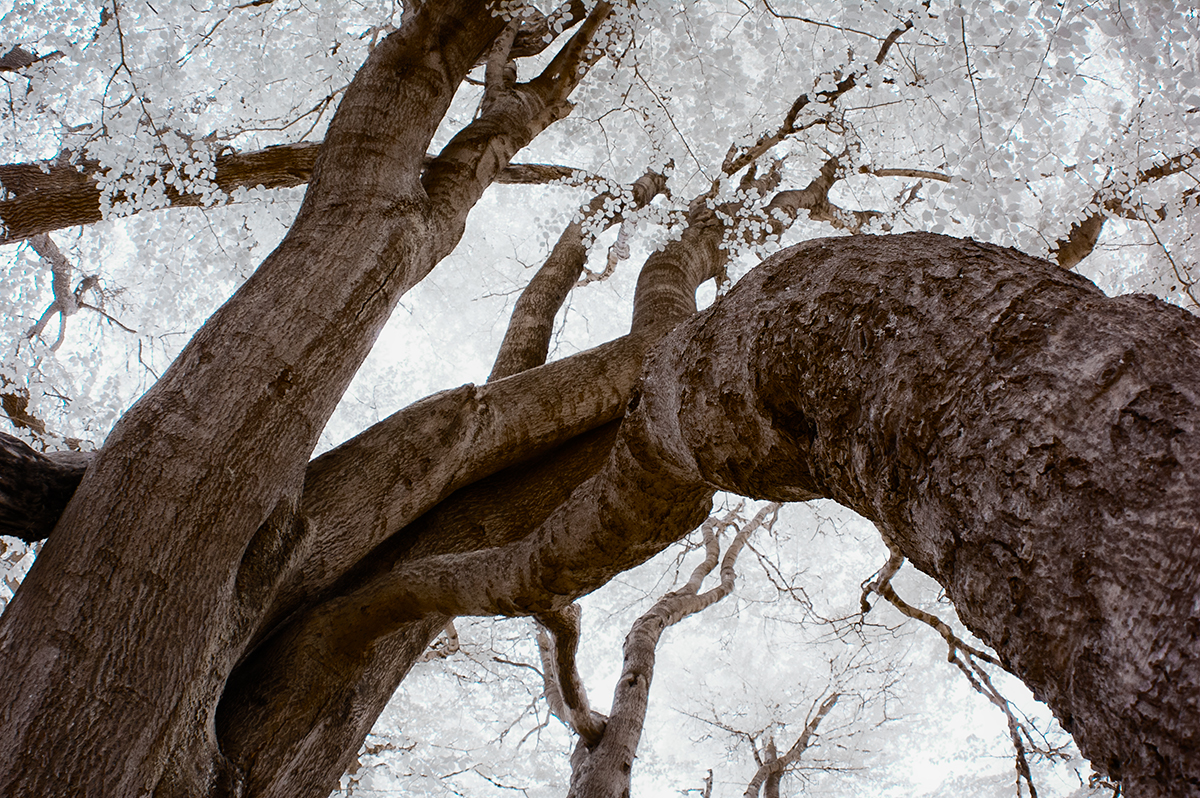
<point x="774" y="766"/>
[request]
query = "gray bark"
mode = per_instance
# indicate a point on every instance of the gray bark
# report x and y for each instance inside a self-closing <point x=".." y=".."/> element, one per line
<point x="1026" y="441"/>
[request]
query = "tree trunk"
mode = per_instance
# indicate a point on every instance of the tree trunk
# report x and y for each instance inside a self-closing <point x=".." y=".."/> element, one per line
<point x="1028" y="442"/>
<point x="148" y="590"/>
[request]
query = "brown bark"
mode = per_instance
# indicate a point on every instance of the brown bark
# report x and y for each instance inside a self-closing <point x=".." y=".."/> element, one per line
<point x="216" y="451"/>
<point x="770" y="773"/>
<point x="815" y="377"/>
<point x="276" y="687"/>
<point x="35" y="487"/>
<point x="602" y="764"/>
<point x="285" y="744"/>
<point x="1028" y="442"/>
<point x="43" y="197"/>
<point x="527" y="340"/>
<point x="216" y="615"/>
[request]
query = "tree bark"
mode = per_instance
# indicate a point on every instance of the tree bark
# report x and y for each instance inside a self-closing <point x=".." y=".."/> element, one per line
<point x="1025" y="440"/>
<point x="35" y="487"/>
<point x="602" y="765"/>
<point x="140" y="600"/>
<point x="44" y="197"/>
<point x="1028" y="442"/>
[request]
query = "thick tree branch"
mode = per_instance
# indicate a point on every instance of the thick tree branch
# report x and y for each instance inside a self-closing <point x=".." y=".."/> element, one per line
<point x="469" y="163"/>
<point x="501" y="71"/>
<point x="342" y="521"/>
<point x="534" y="37"/>
<point x="814" y="199"/>
<point x="1080" y="417"/>
<point x="35" y="487"/>
<point x="1014" y="352"/>
<point x="43" y="197"/>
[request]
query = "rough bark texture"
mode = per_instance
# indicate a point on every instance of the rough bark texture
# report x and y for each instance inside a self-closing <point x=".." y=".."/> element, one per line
<point x="1025" y="440"/>
<point x="216" y="452"/>
<point x="215" y="615"/>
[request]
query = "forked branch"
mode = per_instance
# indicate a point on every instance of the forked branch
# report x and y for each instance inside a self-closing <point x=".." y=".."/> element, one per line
<point x="773" y="766"/>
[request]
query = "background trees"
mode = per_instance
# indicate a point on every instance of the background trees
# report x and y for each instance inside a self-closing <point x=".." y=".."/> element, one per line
<point x="1041" y="128"/>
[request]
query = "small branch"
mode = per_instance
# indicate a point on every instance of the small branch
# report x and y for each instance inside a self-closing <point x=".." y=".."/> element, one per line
<point x="19" y="58"/>
<point x="559" y="660"/>
<point x="1188" y="284"/>
<point x="921" y="174"/>
<point x="1082" y="237"/>
<point x="954" y="642"/>
<point x="962" y="655"/>
<point x="737" y="160"/>
<point x="982" y="684"/>
<point x="773" y="766"/>
<point x="814" y="199"/>
<point x="67" y="302"/>
<point x="882" y="577"/>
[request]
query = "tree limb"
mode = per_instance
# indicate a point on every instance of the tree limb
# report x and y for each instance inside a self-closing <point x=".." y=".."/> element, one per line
<point x="43" y="197"/>
<point x="527" y="339"/>
<point x="34" y="487"/>
<point x="773" y="766"/>
<point x="739" y="158"/>
<point x="562" y="627"/>
<point x="603" y="767"/>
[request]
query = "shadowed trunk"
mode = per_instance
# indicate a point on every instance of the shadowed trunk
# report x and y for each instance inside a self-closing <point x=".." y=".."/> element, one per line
<point x="1028" y="442"/>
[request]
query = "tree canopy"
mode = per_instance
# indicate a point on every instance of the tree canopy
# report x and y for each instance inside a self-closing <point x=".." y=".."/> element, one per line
<point x="218" y="207"/>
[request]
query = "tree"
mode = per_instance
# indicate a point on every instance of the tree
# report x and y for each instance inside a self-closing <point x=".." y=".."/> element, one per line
<point x="216" y="612"/>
